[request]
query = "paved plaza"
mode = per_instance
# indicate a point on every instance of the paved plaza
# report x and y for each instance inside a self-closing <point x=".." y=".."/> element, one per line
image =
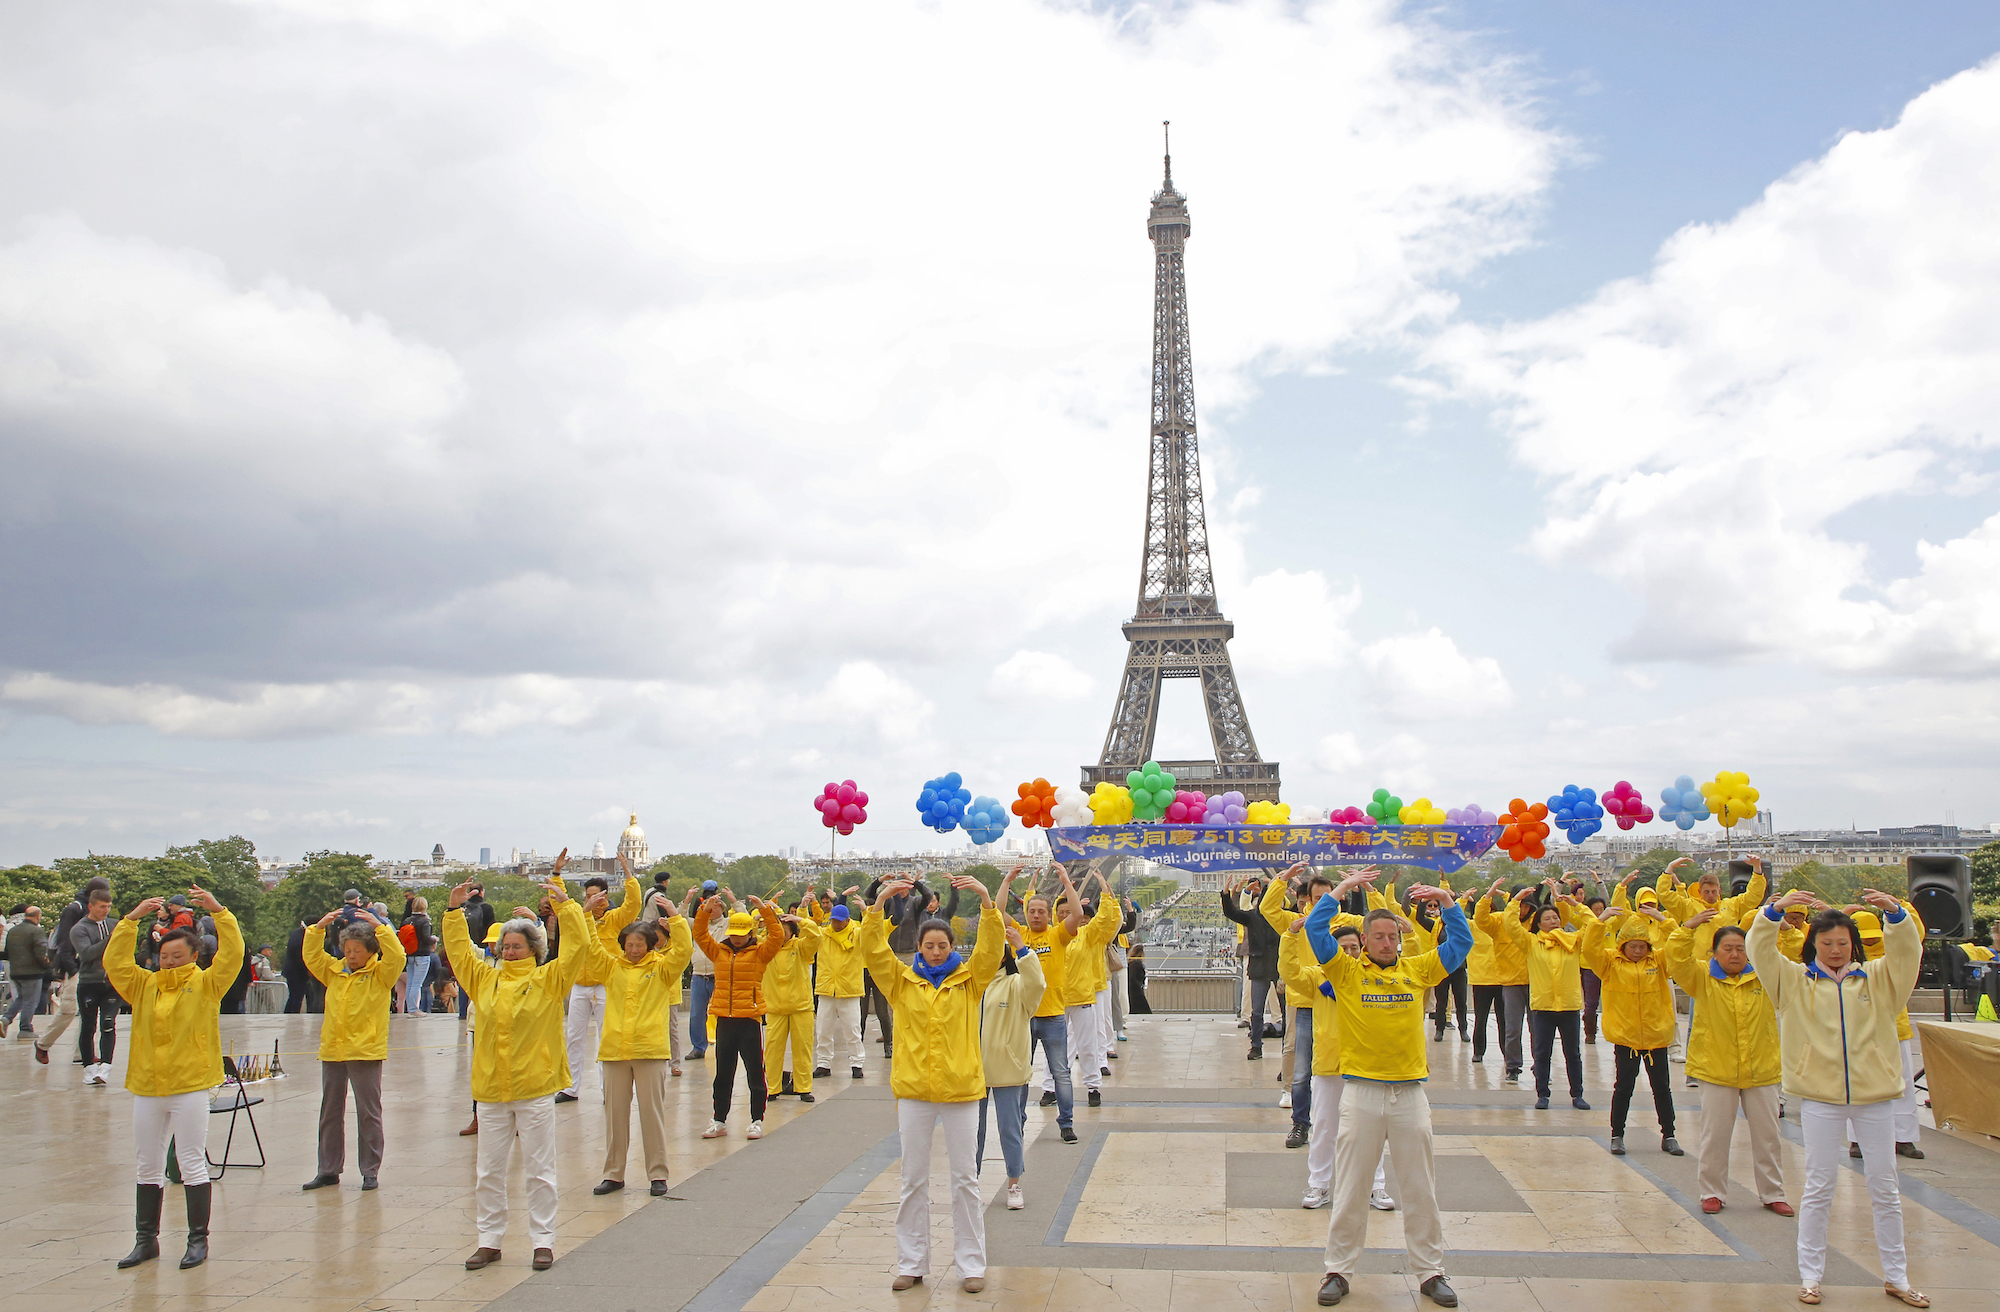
<point x="1179" y="1196"/>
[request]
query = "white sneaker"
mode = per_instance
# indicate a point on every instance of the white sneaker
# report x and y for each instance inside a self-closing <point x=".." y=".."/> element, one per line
<point x="1014" y="1200"/>
<point x="715" y="1130"/>
<point x="756" y="1130"/>
<point x="1315" y="1199"/>
<point x="1285" y="1098"/>
<point x="1381" y="1202"/>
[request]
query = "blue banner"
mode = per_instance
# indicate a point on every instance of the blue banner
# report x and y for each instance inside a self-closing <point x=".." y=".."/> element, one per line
<point x="1443" y="848"/>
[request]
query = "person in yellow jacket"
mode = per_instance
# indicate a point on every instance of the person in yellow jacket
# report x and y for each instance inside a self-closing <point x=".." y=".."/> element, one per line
<point x="1482" y="976"/>
<point x="1383" y="1058"/>
<point x="1301" y="993"/>
<point x="1301" y="970"/>
<point x="1908" y="1129"/>
<point x="175" y="1059"/>
<point x="1007" y="1053"/>
<point x="937" y="1073"/>
<point x="640" y="961"/>
<point x="1047" y="929"/>
<point x="788" y="1001"/>
<point x="586" y="995"/>
<point x="1083" y="962"/>
<point x="737" y="1004"/>
<point x="1637" y="996"/>
<point x="518" y="1059"/>
<point x="1733" y="1053"/>
<point x="1837" y="1035"/>
<point x="1555" y="997"/>
<point x="1791" y="930"/>
<point x="1506" y="924"/>
<point x="353" y="1039"/>
<point x="838" y="984"/>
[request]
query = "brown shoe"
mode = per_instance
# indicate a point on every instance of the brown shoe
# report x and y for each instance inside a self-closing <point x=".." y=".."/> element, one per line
<point x="483" y="1257"/>
<point x="544" y="1258"/>
<point x="1781" y="1207"/>
<point x="470" y="1129"/>
<point x="900" y="1283"/>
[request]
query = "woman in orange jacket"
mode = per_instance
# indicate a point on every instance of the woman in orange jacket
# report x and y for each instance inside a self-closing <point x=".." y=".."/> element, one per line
<point x="738" y="1003"/>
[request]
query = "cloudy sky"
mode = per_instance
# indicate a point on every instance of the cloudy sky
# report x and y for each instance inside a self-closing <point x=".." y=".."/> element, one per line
<point x="428" y="423"/>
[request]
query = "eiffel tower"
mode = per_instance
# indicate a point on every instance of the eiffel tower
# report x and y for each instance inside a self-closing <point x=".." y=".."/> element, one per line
<point x="1178" y="631"/>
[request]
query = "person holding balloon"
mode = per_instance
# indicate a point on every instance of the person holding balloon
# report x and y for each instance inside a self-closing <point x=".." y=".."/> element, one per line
<point x="937" y="1074"/>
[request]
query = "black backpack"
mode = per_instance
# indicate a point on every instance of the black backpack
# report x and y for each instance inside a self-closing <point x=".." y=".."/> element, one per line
<point x="67" y="963"/>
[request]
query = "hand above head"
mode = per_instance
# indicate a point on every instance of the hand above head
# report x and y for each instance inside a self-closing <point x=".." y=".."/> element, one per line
<point x="1879" y="900"/>
<point x="1609" y="914"/>
<point x="557" y="893"/>
<point x="363" y="913"/>
<point x="968" y="882"/>
<point x="326" y="919"/>
<point x="562" y="859"/>
<point x="624" y="866"/>
<point x="524" y="913"/>
<point x="1700" y="918"/>
<point x="204" y="899"/>
<point x="1014" y="939"/>
<point x="1437" y="897"/>
<point x="458" y="896"/>
<point x="666" y="906"/>
<point x="596" y="904"/>
<point x="1630" y="875"/>
<point x="789" y="919"/>
<point x="894" y="888"/>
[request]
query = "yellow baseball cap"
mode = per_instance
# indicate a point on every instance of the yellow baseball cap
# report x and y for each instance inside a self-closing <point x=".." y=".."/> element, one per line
<point x="1869" y="924"/>
<point x="740" y="923"/>
<point x="493" y="934"/>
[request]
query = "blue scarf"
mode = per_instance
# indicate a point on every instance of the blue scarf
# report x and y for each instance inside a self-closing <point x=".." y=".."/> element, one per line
<point x="938" y="973"/>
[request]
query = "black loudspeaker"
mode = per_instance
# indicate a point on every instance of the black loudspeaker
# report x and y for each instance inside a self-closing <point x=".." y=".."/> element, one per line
<point x="1941" y="891"/>
<point x="1739" y="878"/>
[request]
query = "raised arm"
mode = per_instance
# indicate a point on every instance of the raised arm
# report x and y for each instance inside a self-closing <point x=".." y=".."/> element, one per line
<point x="1777" y="974"/>
<point x="986" y="949"/>
<point x="1594" y="954"/>
<point x="228" y="960"/>
<point x="394" y="959"/>
<point x="121" y="964"/>
<point x="873" y="941"/>
<point x="576" y="937"/>
<point x="775" y="933"/>
<point x="698" y="918"/>
<point x="627" y="911"/>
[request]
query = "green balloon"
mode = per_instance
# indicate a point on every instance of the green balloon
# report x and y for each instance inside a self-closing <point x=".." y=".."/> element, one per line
<point x="1135" y="780"/>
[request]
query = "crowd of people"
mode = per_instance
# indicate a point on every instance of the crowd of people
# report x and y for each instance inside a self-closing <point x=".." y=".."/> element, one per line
<point x="1768" y="999"/>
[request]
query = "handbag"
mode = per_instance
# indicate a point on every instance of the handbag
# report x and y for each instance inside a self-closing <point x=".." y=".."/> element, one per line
<point x="1114" y="956"/>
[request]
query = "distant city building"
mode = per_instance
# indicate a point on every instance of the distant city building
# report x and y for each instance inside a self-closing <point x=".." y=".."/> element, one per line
<point x="597" y="849"/>
<point x="485" y="856"/>
<point x="632" y="846"/>
<point x="437" y="854"/>
<point x="513" y="856"/>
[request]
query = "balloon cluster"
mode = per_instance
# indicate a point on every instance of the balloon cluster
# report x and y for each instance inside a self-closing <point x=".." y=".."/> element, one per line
<point x="1072" y="810"/>
<point x="842" y="806"/>
<point x="1420" y="812"/>
<point x="1682" y="804"/>
<point x="1385" y="807"/>
<point x="1731" y="798"/>
<point x="1311" y="815"/>
<point x="943" y="801"/>
<point x="1110" y="805"/>
<point x="1524" y="830"/>
<point x="1225" y="809"/>
<point x="1577" y="812"/>
<point x="1152" y="791"/>
<point x="1268" y="813"/>
<point x="1350" y="815"/>
<point x="985" y="820"/>
<point x="1469" y="814"/>
<point x="1037" y="804"/>
<point x="1628" y="805"/>
<point x="1187" y="808"/>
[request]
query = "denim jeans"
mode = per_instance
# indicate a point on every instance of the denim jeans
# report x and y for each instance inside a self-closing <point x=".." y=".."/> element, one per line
<point x="1052" y="1032"/>
<point x="698" y="996"/>
<point x="1010" y="1111"/>
<point x="413" y="990"/>
<point x="1260" y="993"/>
<point x="27" y="1001"/>
<point x="1302" y="1066"/>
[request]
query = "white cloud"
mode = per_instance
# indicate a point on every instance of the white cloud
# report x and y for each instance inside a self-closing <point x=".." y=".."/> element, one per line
<point x="1835" y="343"/>
<point x="1288" y="623"/>
<point x="1424" y="676"/>
<point x="271" y="711"/>
<point x="1038" y="676"/>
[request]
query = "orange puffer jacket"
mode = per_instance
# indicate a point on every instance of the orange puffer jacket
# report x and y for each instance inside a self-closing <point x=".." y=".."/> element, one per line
<point x="739" y="975"/>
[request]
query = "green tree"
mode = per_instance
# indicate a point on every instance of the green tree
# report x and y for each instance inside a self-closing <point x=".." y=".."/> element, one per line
<point x="34" y="886"/>
<point x="1986" y="873"/>
<point x="315" y="889"/>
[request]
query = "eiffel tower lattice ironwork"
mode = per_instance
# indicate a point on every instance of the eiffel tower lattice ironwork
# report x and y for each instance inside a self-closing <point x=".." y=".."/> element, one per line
<point x="1178" y="631"/>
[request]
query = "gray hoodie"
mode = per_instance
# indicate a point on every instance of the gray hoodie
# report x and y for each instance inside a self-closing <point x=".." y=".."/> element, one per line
<point x="88" y="937"/>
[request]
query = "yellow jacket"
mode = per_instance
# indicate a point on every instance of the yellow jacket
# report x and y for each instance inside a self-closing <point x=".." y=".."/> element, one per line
<point x="1873" y="948"/>
<point x="1084" y="975"/>
<point x="1791" y="938"/>
<point x="937" y="1029"/>
<point x="638" y="994"/>
<point x="1677" y="901"/>
<point x="1734" y="1039"/>
<point x="1005" y="1049"/>
<point x="1480" y="968"/>
<point x="176" y="1042"/>
<point x="356" y="1027"/>
<point x="1555" y="970"/>
<point x="788" y="984"/>
<point x="1382" y="1015"/>
<point x="1638" y="996"/>
<point x="1300" y="970"/>
<point x="1510" y="942"/>
<point x="839" y="959"/>
<point x="517" y="1036"/>
<point x="1839" y="1036"/>
<point x="1052" y="946"/>
<point x="1279" y="916"/>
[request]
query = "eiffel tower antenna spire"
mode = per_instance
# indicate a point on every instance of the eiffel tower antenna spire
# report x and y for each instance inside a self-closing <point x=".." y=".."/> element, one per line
<point x="1177" y="631"/>
<point x="1167" y="134"/>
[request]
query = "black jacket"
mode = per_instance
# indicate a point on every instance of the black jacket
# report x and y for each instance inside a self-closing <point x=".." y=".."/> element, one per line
<point x="1258" y="937"/>
<point x="906" y="913"/>
<point x="478" y="918"/>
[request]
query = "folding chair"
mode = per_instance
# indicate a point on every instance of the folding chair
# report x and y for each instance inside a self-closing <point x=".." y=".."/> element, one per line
<point x="233" y="1099"/>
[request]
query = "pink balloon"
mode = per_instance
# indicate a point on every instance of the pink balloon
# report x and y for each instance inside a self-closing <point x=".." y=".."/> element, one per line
<point x="830" y="789"/>
<point x="847" y="829"/>
<point x="846" y="793"/>
<point x="860" y="798"/>
<point x="851" y="813"/>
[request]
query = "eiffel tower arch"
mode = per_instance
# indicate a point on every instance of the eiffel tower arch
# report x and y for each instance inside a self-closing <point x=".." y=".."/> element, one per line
<point x="1177" y="630"/>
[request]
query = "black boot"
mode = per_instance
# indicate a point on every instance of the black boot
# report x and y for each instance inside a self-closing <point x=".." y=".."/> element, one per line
<point x="146" y="1224"/>
<point x="197" y="1204"/>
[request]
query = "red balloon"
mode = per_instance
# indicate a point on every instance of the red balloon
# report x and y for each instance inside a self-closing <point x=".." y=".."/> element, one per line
<point x="846" y="829"/>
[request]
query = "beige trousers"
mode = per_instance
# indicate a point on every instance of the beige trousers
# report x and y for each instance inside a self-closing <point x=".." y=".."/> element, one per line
<point x="648" y="1080"/>
<point x="1372" y="1115"/>
<point x="1718" y="1122"/>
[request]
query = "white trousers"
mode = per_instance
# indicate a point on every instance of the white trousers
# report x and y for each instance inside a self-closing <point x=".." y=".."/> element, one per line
<point x="1826" y="1127"/>
<point x="1085" y="1050"/>
<point x="913" y="1219"/>
<point x="1908" y="1128"/>
<point x="534" y="1121"/>
<point x="1107" y="1026"/>
<point x="838" y="1040"/>
<point x="181" y="1117"/>
<point x="1325" y="1126"/>
<point x="581" y="1026"/>
<point x="1374" y="1116"/>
